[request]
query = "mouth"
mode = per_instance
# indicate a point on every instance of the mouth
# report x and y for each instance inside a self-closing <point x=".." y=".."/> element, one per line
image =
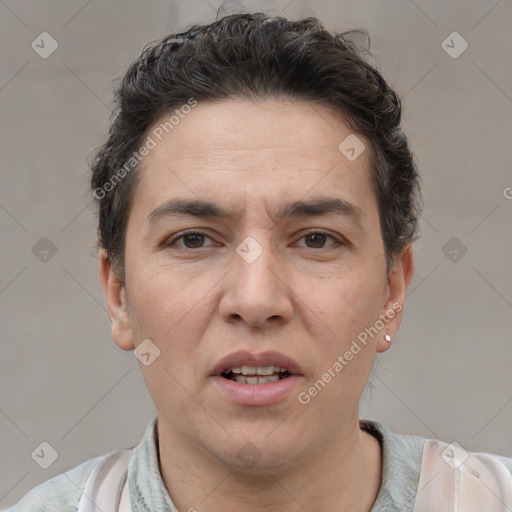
<point x="254" y="375"/>
<point x="256" y="379"/>
<point x="250" y="368"/>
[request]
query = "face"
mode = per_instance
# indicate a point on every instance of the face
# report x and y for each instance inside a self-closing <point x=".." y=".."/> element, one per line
<point x="253" y="241"/>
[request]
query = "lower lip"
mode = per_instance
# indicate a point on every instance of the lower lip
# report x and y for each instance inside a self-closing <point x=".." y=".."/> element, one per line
<point x="257" y="394"/>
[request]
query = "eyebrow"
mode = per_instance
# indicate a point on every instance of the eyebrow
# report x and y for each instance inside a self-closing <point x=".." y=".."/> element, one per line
<point x="211" y="210"/>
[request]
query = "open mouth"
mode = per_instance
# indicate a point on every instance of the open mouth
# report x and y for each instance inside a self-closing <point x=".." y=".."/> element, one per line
<point x="255" y="374"/>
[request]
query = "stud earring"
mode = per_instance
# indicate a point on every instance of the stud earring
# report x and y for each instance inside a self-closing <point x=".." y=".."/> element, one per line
<point x="387" y="337"/>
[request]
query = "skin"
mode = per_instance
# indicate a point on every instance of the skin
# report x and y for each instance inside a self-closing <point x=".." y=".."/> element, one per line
<point x="306" y="297"/>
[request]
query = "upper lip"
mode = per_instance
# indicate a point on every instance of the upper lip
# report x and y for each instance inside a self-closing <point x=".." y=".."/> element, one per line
<point x="245" y="358"/>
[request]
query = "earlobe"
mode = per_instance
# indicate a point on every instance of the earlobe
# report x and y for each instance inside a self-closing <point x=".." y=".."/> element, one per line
<point x="115" y="295"/>
<point x="399" y="278"/>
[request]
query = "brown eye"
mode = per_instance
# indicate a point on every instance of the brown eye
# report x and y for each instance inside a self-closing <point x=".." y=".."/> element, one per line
<point x="318" y="240"/>
<point x="193" y="240"/>
<point x="190" y="240"/>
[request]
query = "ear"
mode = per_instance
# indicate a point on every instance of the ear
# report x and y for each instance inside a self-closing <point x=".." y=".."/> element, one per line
<point x="115" y="295"/>
<point x="399" y="278"/>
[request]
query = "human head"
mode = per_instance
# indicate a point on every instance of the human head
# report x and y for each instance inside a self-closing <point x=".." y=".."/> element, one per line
<point x="256" y="56"/>
<point x="266" y="166"/>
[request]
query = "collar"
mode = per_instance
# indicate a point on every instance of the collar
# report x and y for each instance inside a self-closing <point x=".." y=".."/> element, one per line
<point x="401" y="462"/>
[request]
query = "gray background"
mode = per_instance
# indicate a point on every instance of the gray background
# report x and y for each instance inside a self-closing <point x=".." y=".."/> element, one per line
<point x="63" y="379"/>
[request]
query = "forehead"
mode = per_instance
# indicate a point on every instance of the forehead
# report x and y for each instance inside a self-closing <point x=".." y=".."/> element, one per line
<point x="255" y="152"/>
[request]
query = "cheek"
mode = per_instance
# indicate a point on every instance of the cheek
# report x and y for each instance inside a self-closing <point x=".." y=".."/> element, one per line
<point x="345" y="306"/>
<point x="344" y="309"/>
<point x="173" y="310"/>
<point x="169" y="314"/>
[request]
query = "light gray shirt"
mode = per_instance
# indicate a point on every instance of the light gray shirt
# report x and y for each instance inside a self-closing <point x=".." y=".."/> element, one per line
<point x="402" y="456"/>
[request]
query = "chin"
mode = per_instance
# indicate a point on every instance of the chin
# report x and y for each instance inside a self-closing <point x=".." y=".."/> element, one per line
<point x="256" y="453"/>
<point x="265" y="465"/>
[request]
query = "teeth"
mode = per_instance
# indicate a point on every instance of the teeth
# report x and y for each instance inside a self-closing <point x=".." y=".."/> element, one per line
<point x="264" y="370"/>
<point x="270" y="378"/>
<point x="248" y="370"/>
<point x="256" y="380"/>
<point x="256" y="370"/>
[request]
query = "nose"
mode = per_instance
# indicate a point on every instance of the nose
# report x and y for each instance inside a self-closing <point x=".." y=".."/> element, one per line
<point x="256" y="291"/>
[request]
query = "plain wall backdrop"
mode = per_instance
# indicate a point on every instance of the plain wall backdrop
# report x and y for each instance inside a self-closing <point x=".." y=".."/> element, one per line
<point x="64" y="381"/>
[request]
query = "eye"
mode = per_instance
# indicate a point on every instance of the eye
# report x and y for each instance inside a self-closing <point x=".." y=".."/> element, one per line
<point x="189" y="240"/>
<point x="318" y="239"/>
<point x="197" y="240"/>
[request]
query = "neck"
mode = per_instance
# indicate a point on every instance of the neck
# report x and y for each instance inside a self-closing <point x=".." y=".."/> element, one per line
<point x="344" y="475"/>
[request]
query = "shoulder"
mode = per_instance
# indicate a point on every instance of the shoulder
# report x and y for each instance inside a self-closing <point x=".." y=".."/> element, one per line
<point x="414" y="448"/>
<point x="506" y="461"/>
<point x="61" y="493"/>
<point x="436" y="468"/>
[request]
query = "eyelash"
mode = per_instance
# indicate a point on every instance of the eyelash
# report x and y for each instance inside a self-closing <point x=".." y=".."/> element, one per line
<point x="184" y="234"/>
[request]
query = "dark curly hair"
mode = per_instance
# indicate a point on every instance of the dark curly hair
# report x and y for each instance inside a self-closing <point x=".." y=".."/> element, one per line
<point x="255" y="56"/>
